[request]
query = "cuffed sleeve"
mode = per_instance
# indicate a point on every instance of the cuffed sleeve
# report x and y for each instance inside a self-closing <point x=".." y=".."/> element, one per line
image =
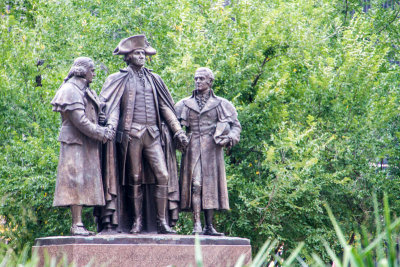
<point x="169" y="117"/>
<point x="88" y="128"/>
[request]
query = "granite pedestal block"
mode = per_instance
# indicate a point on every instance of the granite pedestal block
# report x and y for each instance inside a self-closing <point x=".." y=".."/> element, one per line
<point x="143" y="250"/>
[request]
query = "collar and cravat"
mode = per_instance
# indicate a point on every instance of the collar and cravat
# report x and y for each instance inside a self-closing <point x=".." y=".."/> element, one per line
<point x="201" y="99"/>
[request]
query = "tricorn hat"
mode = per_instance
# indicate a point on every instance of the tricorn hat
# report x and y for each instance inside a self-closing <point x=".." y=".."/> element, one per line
<point x="129" y="44"/>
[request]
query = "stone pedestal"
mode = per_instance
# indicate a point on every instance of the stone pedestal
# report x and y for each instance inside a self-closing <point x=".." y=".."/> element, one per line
<point x="143" y="250"/>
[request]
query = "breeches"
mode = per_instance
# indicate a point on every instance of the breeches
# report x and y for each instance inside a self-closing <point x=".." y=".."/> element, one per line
<point x="149" y="149"/>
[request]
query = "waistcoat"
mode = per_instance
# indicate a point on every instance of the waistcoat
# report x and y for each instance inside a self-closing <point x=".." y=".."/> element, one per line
<point x="144" y="111"/>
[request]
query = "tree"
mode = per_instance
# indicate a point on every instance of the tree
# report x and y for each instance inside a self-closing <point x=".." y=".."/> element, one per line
<point x="313" y="82"/>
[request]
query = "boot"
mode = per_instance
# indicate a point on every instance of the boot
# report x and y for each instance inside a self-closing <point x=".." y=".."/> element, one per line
<point x="209" y="229"/>
<point x="137" y="210"/>
<point x="77" y="227"/>
<point x="161" y="202"/>
<point x="196" y="223"/>
<point x="173" y="217"/>
<point x="108" y="229"/>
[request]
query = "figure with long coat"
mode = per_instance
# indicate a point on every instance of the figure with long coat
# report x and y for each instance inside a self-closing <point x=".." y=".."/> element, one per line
<point x="79" y="181"/>
<point x="141" y="110"/>
<point x="211" y="124"/>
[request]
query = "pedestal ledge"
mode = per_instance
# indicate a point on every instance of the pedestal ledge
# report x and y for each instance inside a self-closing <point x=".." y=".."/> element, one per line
<point x="143" y="250"/>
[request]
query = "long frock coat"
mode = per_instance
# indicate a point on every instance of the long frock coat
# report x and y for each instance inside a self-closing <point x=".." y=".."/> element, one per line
<point x="118" y="93"/>
<point x="79" y="180"/>
<point x="203" y="128"/>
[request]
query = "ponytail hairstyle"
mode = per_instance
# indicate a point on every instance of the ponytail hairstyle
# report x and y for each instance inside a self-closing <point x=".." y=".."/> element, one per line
<point x="80" y="67"/>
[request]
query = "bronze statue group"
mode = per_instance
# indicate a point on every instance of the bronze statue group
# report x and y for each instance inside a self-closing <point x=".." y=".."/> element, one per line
<point x="118" y="150"/>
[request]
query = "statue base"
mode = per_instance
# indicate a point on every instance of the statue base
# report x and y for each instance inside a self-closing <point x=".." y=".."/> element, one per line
<point x="143" y="250"/>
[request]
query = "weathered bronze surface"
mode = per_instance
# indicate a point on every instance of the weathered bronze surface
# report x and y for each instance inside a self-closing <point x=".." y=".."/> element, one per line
<point x="118" y="150"/>
<point x="211" y="124"/>
<point x="79" y="180"/>
<point x="139" y="168"/>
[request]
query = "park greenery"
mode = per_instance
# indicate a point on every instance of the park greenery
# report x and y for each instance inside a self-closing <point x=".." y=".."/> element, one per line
<point x="315" y="83"/>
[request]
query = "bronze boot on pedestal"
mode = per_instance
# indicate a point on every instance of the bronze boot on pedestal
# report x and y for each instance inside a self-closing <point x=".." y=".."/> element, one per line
<point x="137" y="209"/>
<point x="173" y="215"/>
<point x="77" y="227"/>
<point x="209" y="229"/>
<point x="196" y="222"/>
<point x="161" y="202"/>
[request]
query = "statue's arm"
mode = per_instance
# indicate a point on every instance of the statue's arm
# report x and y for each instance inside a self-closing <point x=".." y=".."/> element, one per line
<point x="231" y="116"/>
<point x="234" y="133"/>
<point x="110" y="95"/>
<point x="80" y="121"/>
<point x="169" y="117"/>
<point x="113" y="118"/>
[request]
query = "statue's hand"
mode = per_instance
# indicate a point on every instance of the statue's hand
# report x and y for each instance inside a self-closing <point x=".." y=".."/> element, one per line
<point x="182" y="140"/>
<point x="225" y="141"/>
<point x="110" y="133"/>
<point x="102" y="119"/>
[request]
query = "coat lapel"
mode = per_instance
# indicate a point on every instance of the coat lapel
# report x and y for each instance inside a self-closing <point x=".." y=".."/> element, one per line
<point x="93" y="98"/>
<point x="192" y="104"/>
<point x="211" y="103"/>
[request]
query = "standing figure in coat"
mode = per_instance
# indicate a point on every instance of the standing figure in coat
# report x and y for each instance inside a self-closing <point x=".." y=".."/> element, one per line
<point x="211" y="124"/>
<point x="140" y="108"/>
<point x="79" y="181"/>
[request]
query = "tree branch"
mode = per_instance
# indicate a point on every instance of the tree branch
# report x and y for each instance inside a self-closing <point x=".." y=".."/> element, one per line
<point x="269" y="202"/>
<point x="266" y="59"/>
<point x="390" y="22"/>
<point x="345" y="11"/>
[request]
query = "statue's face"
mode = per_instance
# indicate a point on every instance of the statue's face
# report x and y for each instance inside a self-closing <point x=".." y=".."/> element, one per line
<point x="90" y="73"/>
<point x="202" y="81"/>
<point x="138" y="57"/>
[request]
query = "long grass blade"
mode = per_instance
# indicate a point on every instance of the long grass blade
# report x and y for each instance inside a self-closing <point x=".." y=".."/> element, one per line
<point x="379" y="238"/>
<point x="267" y="254"/>
<point x="318" y="261"/>
<point x="379" y="249"/>
<point x="346" y="255"/>
<point x="293" y="255"/>
<point x="338" y="231"/>
<point x="240" y="261"/>
<point x="302" y="263"/>
<point x="332" y="254"/>
<point x="367" y="256"/>
<point x="264" y="253"/>
<point x="198" y="254"/>
<point x="391" y="248"/>
<point x="261" y="251"/>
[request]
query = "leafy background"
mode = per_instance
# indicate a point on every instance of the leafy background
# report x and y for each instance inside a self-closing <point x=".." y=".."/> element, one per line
<point x="315" y="84"/>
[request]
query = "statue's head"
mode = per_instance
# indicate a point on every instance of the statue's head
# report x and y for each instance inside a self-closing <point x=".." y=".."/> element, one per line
<point x="134" y="49"/>
<point x="83" y="67"/>
<point x="203" y="79"/>
<point x="137" y="57"/>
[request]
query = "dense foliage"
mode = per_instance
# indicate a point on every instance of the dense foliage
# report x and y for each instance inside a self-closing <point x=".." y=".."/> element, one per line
<point x="315" y="84"/>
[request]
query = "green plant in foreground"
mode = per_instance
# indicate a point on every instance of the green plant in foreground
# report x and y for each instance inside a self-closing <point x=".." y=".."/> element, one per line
<point x="261" y="259"/>
<point x="381" y="251"/>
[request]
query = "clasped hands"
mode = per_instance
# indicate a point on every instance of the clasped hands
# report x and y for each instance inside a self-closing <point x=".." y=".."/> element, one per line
<point x="109" y="134"/>
<point x="181" y="140"/>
